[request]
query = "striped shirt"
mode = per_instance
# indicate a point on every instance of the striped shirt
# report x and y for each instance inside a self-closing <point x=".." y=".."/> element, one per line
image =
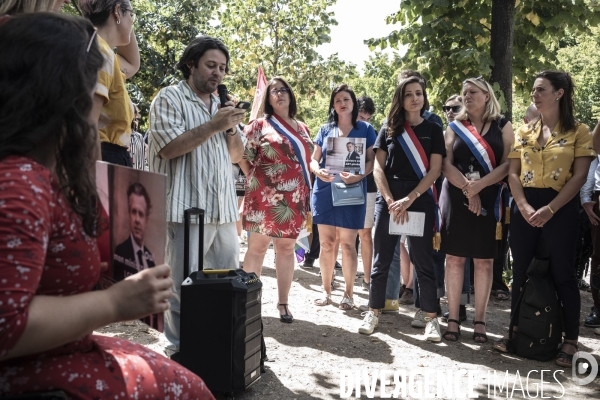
<point x="201" y="178"/>
<point x="138" y="157"/>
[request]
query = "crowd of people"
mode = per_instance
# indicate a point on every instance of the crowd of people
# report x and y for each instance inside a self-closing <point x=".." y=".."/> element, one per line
<point x="475" y="190"/>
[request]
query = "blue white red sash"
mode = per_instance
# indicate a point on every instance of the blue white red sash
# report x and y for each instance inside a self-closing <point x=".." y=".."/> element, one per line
<point x="418" y="160"/>
<point x="484" y="154"/>
<point x="298" y="144"/>
<point x="477" y="144"/>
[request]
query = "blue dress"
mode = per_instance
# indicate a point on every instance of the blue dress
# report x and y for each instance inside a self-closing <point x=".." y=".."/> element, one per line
<point x="324" y="213"/>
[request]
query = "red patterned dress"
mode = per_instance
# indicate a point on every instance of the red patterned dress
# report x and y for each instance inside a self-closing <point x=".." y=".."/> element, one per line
<point x="44" y="251"/>
<point x="277" y="194"/>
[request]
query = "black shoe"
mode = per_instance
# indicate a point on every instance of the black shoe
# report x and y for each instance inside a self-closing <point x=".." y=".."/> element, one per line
<point x="287" y="317"/>
<point x="308" y="263"/>
<point x="462" y="314"/>
<point x="338" y="265"/>
<point x="593" y="320"/>
<point x="583" y="286"/>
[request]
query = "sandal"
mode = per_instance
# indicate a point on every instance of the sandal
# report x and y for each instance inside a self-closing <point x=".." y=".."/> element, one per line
<point x="453" y="335"/>
<point x="477" y="335"/>
<point x="347" y="303"/>
<point x="323" y="301"/>
<point x="287" y="317"/>
<point x="501" y="345"/>
<point x="500" y="294"/>
<point x="566" y="356"/>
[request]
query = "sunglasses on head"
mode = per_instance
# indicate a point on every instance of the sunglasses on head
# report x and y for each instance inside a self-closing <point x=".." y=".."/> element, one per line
<point x="479" y="78"/>
<point x="454" y="109"/>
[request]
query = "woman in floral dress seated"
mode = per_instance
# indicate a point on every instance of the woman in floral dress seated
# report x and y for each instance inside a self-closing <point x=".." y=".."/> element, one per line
<point x="49" y="218"/>
<point x="276" y="203"/>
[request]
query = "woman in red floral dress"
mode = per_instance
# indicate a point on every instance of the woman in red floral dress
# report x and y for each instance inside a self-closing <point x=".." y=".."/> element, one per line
<point x="276" y="203"/>
<point x="49" y="217"/>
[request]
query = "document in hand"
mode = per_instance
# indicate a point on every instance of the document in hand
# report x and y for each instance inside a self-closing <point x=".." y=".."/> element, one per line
<point x="414" y="227"/>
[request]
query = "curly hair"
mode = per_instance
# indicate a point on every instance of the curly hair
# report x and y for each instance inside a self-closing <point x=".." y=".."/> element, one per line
<point x="47" y="77"/>
<point x="396" y="117"/>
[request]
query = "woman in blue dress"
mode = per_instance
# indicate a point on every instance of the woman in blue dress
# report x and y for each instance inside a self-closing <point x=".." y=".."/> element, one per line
<point x="347" y="220"/>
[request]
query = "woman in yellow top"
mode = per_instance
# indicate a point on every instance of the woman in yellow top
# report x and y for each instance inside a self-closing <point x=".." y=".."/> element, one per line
<point x="113" y="109"/>
<point x="549" y="163"/>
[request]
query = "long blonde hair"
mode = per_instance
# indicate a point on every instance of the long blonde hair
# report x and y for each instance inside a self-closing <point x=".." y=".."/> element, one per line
<point x="492" y="107"/>
<point x="26" y="6"/>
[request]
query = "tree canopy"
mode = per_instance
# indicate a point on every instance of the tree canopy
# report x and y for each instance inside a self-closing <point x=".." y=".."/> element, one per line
<point x="449" y="41"/>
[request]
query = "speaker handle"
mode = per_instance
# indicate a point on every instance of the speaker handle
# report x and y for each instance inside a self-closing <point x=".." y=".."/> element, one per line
<point x="187" y="214"/>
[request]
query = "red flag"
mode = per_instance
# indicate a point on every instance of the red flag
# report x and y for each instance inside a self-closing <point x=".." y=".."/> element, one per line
<point x="261" y="85"/>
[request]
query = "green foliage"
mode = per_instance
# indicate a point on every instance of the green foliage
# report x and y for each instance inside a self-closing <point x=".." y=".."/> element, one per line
<point x="449" y="41"/>
<point x="582" y="59"/>
<point x="379" y="82"/>
<point x="163" y="30"/>
<point x="282" y="37"/>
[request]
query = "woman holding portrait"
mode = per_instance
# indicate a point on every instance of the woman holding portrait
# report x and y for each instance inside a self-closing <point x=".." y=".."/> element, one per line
<point x="49" y="222"/>
<point x="276" y="202"/>
<point x="343" y="219"/>
<point x="549" y="163"/>
<point x="477" y="146"/>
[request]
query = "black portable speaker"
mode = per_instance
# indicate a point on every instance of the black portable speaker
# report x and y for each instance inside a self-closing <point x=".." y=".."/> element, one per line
<point x="221" y="331"/>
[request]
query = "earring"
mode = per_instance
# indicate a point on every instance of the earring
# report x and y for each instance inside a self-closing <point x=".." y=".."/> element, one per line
<point x="119" y="22"/>
<point x="558" y="98"/>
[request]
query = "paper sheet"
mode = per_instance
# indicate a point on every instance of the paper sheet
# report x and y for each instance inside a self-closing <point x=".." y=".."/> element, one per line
<point x="414" y="227"/>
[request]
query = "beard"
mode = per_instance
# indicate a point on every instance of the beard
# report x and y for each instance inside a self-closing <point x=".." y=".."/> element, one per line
<point x="203" y="85"/>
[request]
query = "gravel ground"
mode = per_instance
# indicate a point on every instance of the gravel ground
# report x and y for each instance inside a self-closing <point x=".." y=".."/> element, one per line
<point x="307" y="357"/>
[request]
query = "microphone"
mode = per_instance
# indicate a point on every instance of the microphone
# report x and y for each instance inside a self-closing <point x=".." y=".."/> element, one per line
<point x="222" y="90"/>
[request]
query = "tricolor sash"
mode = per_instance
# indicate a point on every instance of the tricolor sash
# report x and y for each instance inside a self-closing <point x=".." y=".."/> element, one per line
<point x="484" y="154"/>
<point x="298" y="144"/>
<point x="477" y="144"/>
<point x="418" y="160"/>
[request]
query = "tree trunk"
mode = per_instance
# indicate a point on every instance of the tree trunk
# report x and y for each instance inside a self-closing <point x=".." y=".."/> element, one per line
<point x="503" y="25"/>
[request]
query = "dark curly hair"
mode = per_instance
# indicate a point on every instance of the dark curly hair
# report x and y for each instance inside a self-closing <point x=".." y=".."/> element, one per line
<point x="333" y="117"/>
<point x="47" y="78"/>
<point x="196" y="49"/>
<point x="396" y="117"/>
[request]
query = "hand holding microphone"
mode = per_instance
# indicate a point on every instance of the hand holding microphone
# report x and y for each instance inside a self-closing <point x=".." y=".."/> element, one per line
<point x="227" y="117"/>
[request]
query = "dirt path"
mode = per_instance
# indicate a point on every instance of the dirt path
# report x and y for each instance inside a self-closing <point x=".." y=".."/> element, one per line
<point x="306" y="357"/>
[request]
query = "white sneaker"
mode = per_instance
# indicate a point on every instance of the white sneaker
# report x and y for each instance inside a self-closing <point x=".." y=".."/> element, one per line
<point x="369" y="323"/>
<point x="432" y="330"/>
<point x="419" y="320"/>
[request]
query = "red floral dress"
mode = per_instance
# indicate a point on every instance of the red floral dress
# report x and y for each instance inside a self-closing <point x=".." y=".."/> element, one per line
<point x="44" y="251"/>
<point x="277" y="194"/>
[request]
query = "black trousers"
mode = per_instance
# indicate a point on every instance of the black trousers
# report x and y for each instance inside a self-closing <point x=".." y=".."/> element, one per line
<point x="116" y="154"/>
<point x="500" y="260"/>
<point x="421" y="248"/>
<point x="560" y="235"/>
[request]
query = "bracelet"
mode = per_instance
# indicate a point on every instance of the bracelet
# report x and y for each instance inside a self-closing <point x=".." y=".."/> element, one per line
<point x="232" y="134"/>
<point x="417" y="193"/>
<point x="550" y="209"/>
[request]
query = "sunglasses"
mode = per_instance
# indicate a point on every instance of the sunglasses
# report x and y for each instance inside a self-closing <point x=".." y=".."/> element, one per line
<point x="454" y="109"/>
<point x="276" y="92"/>
<point x="479" y="78"/>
